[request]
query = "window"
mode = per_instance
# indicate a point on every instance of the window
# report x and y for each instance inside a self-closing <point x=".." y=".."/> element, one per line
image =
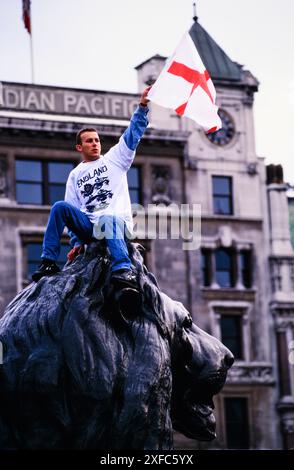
<point x="206" y="267"/>
<point x="231" y="334"/>
<point x="222" y="195"/>
<point x="224" y="268"/>
<point x="41" y="182"/>
<point x="245" y="260"/>
<point x="33" y="255"/>
<point x="28" y="182"/>
<point x="57" y="177"/>
<point x="237" y="426"/>
<point x="134" y="182"/>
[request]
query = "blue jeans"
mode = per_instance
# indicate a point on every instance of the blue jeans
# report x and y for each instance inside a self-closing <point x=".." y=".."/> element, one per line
<point x="111" y="228"/>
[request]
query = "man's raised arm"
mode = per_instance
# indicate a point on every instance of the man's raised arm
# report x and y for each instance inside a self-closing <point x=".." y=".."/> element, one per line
<point x="122" y="154"/>
<point x="138" y="123"/>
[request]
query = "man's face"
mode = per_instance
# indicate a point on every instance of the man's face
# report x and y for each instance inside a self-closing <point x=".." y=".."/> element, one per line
<point x="90" y="147"/>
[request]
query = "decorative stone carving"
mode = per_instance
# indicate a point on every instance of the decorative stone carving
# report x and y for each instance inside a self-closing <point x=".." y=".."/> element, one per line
<point x="251" y="374"/>
<point x="161" y="185"/>
<point x="284" y="324"/>
<point x="191" y="164"/>
<point x="252" y="168"/>
<point x="277" y="265"/>
<point x="276" y="277"/>
<point x="288" y="426"/>
<point x="284" y="312"/>
<point x="225" y="236"/>
<point x="248" y="99"/>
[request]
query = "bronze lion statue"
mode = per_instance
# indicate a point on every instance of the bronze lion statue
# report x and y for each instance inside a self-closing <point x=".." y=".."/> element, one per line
<point x="78" y="373"/>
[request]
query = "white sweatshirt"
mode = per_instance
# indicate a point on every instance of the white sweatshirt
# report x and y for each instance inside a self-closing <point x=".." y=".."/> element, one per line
<point x="100" y="187"/>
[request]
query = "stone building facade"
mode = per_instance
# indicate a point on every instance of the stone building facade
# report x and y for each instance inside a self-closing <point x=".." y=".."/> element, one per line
<point x="238" y="285"/>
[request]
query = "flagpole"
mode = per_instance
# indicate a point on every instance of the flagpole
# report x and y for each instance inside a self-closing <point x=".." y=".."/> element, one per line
<point x="31" y="48"/>
<point x="195" y="17"/>
<point x="32" y="60"/>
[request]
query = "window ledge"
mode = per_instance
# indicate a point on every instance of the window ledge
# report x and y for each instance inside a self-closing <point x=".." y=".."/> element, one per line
<point x="286" y="402"/>
<point x="12" y="205"/>
<point x="230" y="217"/>
<point x="229" y="289"/>
<point x="228" y="293"/>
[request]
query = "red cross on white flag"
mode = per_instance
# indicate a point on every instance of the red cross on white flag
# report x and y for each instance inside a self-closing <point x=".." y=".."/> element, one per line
<point x="185" y="86"/>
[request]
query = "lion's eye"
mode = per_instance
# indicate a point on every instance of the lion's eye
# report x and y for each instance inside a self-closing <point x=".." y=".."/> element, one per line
<point x="187" y="323"/>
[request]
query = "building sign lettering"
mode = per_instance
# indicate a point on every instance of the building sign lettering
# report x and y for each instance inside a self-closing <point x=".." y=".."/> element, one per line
<point x="41" y="99"/>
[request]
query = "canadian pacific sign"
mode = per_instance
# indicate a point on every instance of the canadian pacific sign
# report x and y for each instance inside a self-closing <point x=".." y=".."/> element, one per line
<point x="54" y="100"/>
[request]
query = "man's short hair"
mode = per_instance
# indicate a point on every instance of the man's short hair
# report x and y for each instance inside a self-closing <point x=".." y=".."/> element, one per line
<point x="85" y="129"/>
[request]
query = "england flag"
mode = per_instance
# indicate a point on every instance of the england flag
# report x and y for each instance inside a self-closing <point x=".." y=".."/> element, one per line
<point x="185" y="86"/>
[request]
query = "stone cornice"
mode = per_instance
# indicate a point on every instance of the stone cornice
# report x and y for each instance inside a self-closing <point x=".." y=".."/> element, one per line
<point x="113" y="128"/>
<point x="255" y="373"/>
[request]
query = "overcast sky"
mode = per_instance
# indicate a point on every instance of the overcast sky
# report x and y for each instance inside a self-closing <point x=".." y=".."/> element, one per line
<point x="97" y="43"/>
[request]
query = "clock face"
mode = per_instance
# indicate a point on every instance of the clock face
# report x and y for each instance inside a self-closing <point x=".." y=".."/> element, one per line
<point x="226" y="133"/>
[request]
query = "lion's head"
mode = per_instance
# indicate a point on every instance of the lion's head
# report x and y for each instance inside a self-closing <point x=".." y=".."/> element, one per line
<point x="199" y="368"/>
<point x="199" y="364"/>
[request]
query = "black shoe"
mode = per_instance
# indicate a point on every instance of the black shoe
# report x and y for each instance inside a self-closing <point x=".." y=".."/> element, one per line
<point x="46" y="268"/>
<point x="125" y="278"/>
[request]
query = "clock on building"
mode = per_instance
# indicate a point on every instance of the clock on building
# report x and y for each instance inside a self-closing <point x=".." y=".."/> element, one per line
<point x="226" y="133"/>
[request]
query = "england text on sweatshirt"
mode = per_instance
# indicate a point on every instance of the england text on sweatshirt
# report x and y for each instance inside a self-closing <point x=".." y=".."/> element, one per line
<point x="100" y="187"/>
